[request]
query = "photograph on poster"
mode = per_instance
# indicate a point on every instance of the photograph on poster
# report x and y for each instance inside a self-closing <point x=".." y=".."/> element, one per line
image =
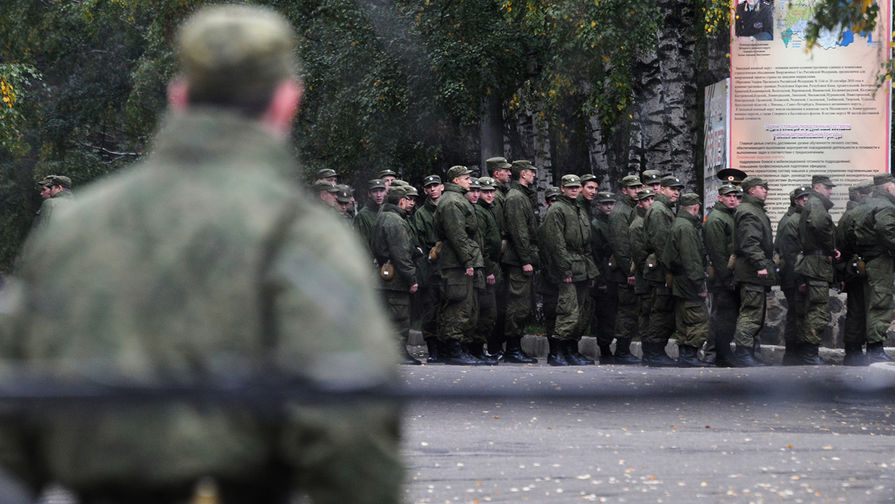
<point x="755" y="20"/>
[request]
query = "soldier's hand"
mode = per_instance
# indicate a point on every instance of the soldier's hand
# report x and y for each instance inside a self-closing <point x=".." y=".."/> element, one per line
<point x="762" y="273"/>
<point x="703" y="294"/>
<point x="470" y="272"/>
<point x="630" y="280"/>
<point x="490" y="280"/>
<point x="803" y="287"/>
<point x="567" y="280"/>
<point x="592" y="283"/>
<point x="528" y="269"/>
<point x="837" y="253"/>
<point x="414" y="288"/>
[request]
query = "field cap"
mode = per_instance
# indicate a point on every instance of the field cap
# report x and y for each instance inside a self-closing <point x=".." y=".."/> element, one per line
<point x="571" y="180"/>
<point x="431" y="180"/>
<point x="822" y="179"/>
<point x="753" y="181"/>
<point x="671" y="181"/>
<point x="606" y="197"/>
<point x="587" y="177"/>
<point x="650" y="177"/>
<point x="497" y="163"/>
<point x="645" y="193"/>
<point x="688" y="199"/>
<point x="552" y="192"/>
<point x="376" y="184"/>
<point x="523" y="164"/>
<point x="326" y="173"/>
<point x="457" y="171"/>
<point x="631" y="181"/>
<point x="728" y="188"/>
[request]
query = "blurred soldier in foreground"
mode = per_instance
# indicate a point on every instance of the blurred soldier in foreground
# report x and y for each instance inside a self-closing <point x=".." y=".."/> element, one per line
<point x="56" y="192"/>
<point x="850" y="272"/>
<point x="206" y="263"/>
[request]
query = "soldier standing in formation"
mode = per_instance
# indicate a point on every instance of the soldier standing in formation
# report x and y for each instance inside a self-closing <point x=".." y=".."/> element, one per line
<point x="364" y="220"/>
<point x="487" y="295"/>
<point x="851" y="270"/>
<point x="621" y="267"/>
<point x="430" y="289"/>
<point x="718" y="236"/>
<point x="788" y="248"/>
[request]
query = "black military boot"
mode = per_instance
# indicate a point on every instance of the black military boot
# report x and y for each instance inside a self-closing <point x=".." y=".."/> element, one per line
<point x="606" y="356"/>
<point x="406" y="358"/>
<point x="453" y="354"/>
<point x="742" y="357"/>
<point x="756" y="354"/>
<point x="876" y="353"/>
<point x="556" y="357"/>
<point x="623" y="353"/>
<point x="432" y="344"/>
<point x="854" y="356"/>
<point x="477" y="350"/>
<point x="574" y="357"/>
<point x="791" y="355"/>
<point x="514" y="353"/>
<point x="808" y="355"/>
<point x="687" y="356"/>
<point x="495" y="349"/>
<point x="723" y="355"/>
<point x="658" y="357"/>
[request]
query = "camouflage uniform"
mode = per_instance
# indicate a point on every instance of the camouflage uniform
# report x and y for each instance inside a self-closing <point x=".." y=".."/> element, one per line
<point x="619" y="240"/>
<point x="203" y="263"/>
<point x="718" y="237"/>
<point x="855" y="316"/>
<point x="787" y="245"/>
<point x="364" y="221"/>
<point x="522" y="248"/>
<point x="817" y="236"/>
<point x="657" y="226"/>
<point x="605" y="292"/>
<point x="52" y="205"/>
<point x="429" y="297"/>
<point x="641" y="289"/>
<point x="875" y="238"/>
<point x="488" y="231"/>
<point x="684" y="255"/>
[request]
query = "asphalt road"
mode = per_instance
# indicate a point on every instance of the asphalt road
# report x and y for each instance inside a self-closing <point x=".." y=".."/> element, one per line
<point x="638" y="435"/>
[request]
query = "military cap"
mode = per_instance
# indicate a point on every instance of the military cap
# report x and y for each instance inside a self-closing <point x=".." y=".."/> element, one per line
<point x="324" y="186"/>
<point x="376" y="183"/>
<point x="731" y="175"/>
<point x="522" y="164"/>
<point x="54" y="180"/>
<point x="651" y="177"/>
<point x="552" y="192"/>
<point x="605" y="197"/>
<point x="409" y="190"/>
<point x="386" y="173"/>
<point x="671" y="181"/>
<point x="488" y="183"/>
<point x="587" y="177"/>
<point x="753" y="181"/>
<point x="395" y="193"/>
<point x="236" y="53"/>
<point x="457" y="171"/>
<point x="728" y="188"/>
<point x="822" y="179"/>
<point x="644" y="194"/>
<point x="883" y="178"/>
<point x="326" y="173"/>
<point x="431" y="180"/>
<point x="631" y="181"/>
<point x="688" y="199"/>
<point x="399" y="182"/>
<point x="343" y="193"/>
<point x="863" y="187"/>
<point x="570" y="180"/>
<point x="474" y="184"/>
<point x="800" y="191"/>
<point x="497" y="163"/>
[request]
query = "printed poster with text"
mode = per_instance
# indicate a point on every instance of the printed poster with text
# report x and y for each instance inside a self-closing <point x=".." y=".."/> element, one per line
<point x="796" y="113"/>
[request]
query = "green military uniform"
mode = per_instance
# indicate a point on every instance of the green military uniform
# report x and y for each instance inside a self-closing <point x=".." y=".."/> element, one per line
<point x="684" y="256"/>
<point x="621" y="266"/>
<point x="641" y="289"/>
<point x="567" y="242"/>
<point x="875" y="239"/>
<point x="817" y="236"/>
<point x="788" y="247"/>
<point x="364" y="221"/>
<point x="393" y="244"/>
<point x="656" y="226"/>
<point x="754" y="249"/>
<point x="605" y="292"/>
<point x="718" y="238"/>
<point x="855" y="316"/>
<point x="52" y="205"/>
<point x="423" y="222"/>
<point x="486" y="294"/>
<point x="522" y="248"/>
<point x="203" y="263"/>
<point x="455" y="224"/>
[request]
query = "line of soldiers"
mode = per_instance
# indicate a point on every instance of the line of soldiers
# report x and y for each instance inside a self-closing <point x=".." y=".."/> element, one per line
<point x="638" y="264"/>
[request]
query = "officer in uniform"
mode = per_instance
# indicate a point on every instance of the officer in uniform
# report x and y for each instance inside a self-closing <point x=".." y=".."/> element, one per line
<point x="875" y="242"/>
<point x="566" y="239"/>
<point x="755" y="19"/>
<point x="248" y="280"/>
<point x="684" y="255"/>
<point x="754" y="268"/>
<point x="621" y="267"/>
<point x="817" y="236"/>
<point x="363" y="221"/>
<point x="423" y="221"/>
<point x="520" y="258"/>
<point x="56" y="192"/>
<point x="460" y="262"/>
<point x="718" y="236"/>
<point x="850" y="275"/>
<point x="394" y="247"/>
<point x="656" y="225"/>
<point x="788" y="247"/>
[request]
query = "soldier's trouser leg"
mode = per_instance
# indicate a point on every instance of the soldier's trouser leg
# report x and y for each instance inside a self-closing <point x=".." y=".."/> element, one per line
<point x="569" y="315"/>
<point x="626" y="315"/>
<point x="643" y="309"/>
<point x="430" y="301"/>
<point x="398" y="304"/>
<point x="549" y="298"/>
<point x="661" y="316"/>
<point x="817" y="312"/>
<point x="750" y="319"/>
<point x="691" y="321"/>
<point x="795" y="313"/>
<point x="497" y="338"/>
<point x="604" y="313"/>
<point x="487" y="314"/>
<point x="722" y="321"/>
<point x="458" y="307"/>
<point x="878" y="298"/>
<point x="855" y="315"/>
<point x="518" y="302"/>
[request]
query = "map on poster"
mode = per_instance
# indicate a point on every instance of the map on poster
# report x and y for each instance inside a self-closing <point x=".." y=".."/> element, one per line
<point x="793" y="24"/>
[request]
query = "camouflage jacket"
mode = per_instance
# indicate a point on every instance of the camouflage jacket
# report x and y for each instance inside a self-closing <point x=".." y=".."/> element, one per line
<point x="521" y="229"/>
<point x="875" y="226"/>
<point x="753" y="243"/>
<point x="657" y="225"/>
<point x="619" y="224"/>
<point x="51" y="205"/>
<point x="455" y="223"/>
<point x="204" y="262"/>
<point x="717" y="234"/>
<point x="684" y="256"/>
<point x="393" y="242"/>
<point x="787" y="245"/>
<point x="599" y="245"/>
<point x="817" y="236"/>
<point x="567" y="242"/>
<point x="638" y="251"/>
<point x="363" y="223"/>
<point x="490" y="234"/>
